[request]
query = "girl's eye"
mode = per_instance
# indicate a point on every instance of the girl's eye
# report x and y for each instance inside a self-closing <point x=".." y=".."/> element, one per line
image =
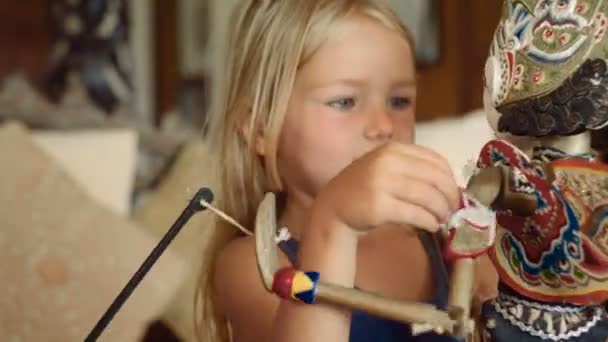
<point x="399" y="103"/>
<point x="343" y="104"/>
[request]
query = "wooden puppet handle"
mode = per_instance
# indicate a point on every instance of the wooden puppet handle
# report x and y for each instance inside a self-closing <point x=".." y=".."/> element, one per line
<point x="387" y="308"/>
<point x="461" y="295"/>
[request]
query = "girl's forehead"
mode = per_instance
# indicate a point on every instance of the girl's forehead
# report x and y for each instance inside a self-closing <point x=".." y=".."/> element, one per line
<point x="359" y="62"/>
<point x="357" y="38"/>
<point x="356" y="23"/>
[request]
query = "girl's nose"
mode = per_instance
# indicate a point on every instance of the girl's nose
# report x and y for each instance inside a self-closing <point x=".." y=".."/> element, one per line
<point x="379" y="126"/>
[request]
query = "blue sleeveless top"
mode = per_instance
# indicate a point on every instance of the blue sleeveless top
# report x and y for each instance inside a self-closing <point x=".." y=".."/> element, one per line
<point x="366" y="328"/>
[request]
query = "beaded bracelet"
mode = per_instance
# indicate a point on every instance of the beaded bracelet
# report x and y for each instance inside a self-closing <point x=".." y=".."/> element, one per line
<point x="289" y="283"/>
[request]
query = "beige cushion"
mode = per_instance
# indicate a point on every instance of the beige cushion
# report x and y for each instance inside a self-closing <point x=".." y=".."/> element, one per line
<point x="65" y="257"/>
<point x="457" y="139"/>
<point x="102" y="162"/>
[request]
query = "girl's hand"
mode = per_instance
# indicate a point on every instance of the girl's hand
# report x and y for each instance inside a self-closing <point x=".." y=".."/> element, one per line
<point x="393" y="184"/>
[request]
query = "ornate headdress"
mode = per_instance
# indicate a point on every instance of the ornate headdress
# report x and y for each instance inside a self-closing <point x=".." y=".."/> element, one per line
<point x="546" y="72"/>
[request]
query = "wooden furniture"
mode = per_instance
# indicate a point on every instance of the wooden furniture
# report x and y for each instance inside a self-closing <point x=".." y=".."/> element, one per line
<point x="454" y="85"/>
<point x="25" y="39"/>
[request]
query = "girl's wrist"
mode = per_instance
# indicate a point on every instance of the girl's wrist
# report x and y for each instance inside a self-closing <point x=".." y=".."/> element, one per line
<point x="326" y="225"/>
<point x="329" y="246"/>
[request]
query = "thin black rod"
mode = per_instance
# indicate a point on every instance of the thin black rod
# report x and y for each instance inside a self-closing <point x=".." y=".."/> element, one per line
<point x="193" y="207"/>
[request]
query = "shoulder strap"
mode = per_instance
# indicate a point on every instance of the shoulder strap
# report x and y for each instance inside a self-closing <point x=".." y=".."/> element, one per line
<point x="440" y="273"/>
<point x="290" y="249"/>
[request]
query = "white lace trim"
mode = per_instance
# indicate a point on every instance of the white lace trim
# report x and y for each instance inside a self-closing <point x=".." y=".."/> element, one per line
<point x="542" y="334"/>
<point x="545" y="307"/>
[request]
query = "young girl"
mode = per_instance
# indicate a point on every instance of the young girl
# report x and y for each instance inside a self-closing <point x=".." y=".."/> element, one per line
<point x="319" y="108"/>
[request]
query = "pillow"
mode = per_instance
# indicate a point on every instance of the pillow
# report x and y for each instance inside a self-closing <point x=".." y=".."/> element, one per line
<point x="102" y="162"/>
<point x="65" y="257"/>
<point x="459" y="140"/>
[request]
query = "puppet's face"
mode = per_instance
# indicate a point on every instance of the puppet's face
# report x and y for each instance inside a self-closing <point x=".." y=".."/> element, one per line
<point x="538" y="44"/>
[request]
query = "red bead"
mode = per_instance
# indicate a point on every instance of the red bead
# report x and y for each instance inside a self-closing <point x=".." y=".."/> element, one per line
<point x="283" y="279"/>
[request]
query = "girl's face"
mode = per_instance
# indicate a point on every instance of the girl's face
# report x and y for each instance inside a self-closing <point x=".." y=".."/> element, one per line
<point x="357" y="92"/>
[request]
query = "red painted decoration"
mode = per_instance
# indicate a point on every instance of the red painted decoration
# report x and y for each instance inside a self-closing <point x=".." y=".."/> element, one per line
<point x="283" y="279"/>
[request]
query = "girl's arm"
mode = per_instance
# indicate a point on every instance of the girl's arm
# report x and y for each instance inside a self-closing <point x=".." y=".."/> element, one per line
<point x="330" y="248"/>
<point x="256" y="315"/>
<point x="394" y="183"/>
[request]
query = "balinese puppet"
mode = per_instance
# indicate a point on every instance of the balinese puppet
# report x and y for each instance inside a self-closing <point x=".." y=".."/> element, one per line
<point x="546" y="93"/>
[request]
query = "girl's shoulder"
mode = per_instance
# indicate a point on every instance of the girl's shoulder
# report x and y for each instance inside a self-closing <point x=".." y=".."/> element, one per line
<point x="235" y="264"/>
<point x="236" y="270"/>
<point x="236" y="248"/>
<point x="239" y="293"/>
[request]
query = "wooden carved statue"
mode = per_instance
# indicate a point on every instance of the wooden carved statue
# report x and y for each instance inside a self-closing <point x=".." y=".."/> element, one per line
<point x="546" y="92"/>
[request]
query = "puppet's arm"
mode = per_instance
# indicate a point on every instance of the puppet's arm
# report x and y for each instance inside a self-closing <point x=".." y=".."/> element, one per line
<point x="507" y="180"/>
<point x="487" y="185"/>
<point x="503" y="188"/>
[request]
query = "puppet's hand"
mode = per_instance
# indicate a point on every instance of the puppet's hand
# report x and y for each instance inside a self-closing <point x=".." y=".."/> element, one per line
<point x="507" y="180"/>
<point x="471" y="230"/>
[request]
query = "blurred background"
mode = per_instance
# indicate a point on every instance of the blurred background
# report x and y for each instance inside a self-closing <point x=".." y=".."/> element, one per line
<point x="101" y="107"/>
<point x="166" y="51"/>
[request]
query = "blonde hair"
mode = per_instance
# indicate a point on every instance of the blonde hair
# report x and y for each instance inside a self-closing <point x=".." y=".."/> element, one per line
<point x="270" y="41"/>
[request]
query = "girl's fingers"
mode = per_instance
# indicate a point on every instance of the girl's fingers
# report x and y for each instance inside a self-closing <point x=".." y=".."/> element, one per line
<point x="417" y="169"/>
<point x="422" y="195"/>
<point x="429" y="155"/>
<point x="415" y="216"/>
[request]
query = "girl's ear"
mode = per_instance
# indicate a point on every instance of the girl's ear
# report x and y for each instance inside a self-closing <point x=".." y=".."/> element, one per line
<point x="259" y="140"/>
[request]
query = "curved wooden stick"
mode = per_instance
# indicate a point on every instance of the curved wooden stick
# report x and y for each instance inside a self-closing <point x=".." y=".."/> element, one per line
<point x="265" y="244"/>
<point x="354" y="299"/>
